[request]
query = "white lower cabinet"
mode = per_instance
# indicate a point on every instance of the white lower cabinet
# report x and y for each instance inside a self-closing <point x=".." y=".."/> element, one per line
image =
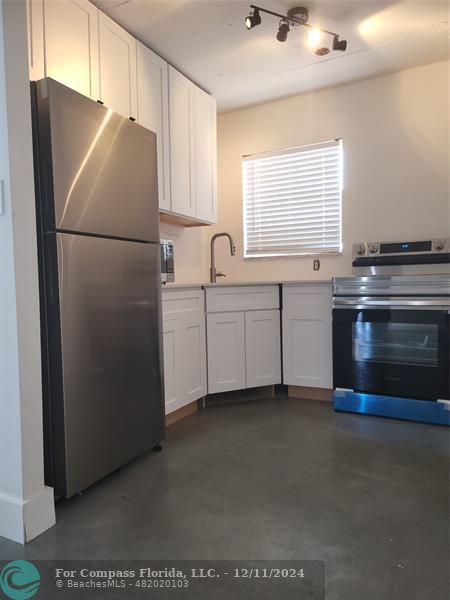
<point x="243" y="344"/>
<point x="226" y="352"/>
<point x="262" y="347"/>
<point x="184" y="343"/>
<point x="173" y="359"/>
<point x="307" y="335"/>
<point x="194" y="357"/>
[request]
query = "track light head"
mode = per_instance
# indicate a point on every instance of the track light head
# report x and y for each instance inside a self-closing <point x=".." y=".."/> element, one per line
<point x="283" y="30"/>
<point x="338" y="44"/>
<point x="253" y="19"/>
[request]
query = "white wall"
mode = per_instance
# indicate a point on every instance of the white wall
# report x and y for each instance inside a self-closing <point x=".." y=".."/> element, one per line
<point x="395" y="131"/>
<point x="190" y="260"/>
<point x="26" y="505"/>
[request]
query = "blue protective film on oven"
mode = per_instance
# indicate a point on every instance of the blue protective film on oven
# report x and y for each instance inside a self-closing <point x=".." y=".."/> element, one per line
<point x="423" y="411"/>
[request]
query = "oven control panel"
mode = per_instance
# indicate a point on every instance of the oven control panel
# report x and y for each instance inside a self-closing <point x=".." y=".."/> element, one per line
<point x="402" y="258"/>
<point x="369" y="249"/>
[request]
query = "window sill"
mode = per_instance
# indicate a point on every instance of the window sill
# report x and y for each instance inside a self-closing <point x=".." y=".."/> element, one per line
<point x="302" y="255"/>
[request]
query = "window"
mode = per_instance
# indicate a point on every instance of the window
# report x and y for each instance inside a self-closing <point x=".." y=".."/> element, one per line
<point x="292" y="201"/>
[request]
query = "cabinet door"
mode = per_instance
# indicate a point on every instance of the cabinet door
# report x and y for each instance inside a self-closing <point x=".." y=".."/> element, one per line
<point x="35" y="24"/>
<point x="226" y="352"/>
<point x="173" y="360"/>
<point x="307" y="336"/>
<point x="262" y="347"/>
<point x="205" y="156"/>
<point x="118" y="79"/>
<point x="153" y="112"/>
<point x="194" y="359"/>
<point x="71" y="44"/>
<point x="182" y="148"/>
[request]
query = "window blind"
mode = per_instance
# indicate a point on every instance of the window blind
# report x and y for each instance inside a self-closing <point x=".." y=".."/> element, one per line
<point x="292" y="201"/>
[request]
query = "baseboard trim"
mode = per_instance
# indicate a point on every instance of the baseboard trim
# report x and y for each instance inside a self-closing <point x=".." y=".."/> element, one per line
<point x="22" y="521"/>
<point x="310" y="393"/>
<point x="181" y="413"/>
<point x="257" y="393"/>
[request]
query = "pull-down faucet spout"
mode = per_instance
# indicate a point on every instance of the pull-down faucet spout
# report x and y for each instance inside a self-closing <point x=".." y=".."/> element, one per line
<point x="213" y="273"/>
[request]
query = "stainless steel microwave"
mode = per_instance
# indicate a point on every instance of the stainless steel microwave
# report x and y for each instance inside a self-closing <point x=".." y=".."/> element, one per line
<point x="167" y="261"/>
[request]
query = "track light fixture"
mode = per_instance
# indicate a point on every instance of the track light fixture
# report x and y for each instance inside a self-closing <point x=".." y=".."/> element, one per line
<point x="283" y="30"/>
<point x="295" y="17"/>
<point x="339" y="44"/>
<point x="253" y="19"/>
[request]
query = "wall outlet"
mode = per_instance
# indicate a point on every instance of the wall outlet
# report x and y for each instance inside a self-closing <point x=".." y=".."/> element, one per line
<point x="316" y="264"/>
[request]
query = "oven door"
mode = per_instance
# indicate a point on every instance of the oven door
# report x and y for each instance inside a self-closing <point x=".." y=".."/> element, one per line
<point x="392" y="347"/>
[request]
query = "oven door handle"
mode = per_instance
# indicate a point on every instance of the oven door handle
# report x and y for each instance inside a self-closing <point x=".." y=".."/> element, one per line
<point x="365" y="302"/>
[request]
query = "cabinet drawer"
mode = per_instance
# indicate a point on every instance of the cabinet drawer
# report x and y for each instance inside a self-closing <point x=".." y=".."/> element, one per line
<point x="177" y="304"/>
<point x="241" y="298"/>
<point x="309" y="301"/>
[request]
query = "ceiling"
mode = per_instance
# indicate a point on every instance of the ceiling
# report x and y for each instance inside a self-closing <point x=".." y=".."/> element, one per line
<point x="207" y="40"/>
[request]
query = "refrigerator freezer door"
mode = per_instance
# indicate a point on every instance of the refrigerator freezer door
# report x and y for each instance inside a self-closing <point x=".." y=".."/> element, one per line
<point x="100" y="171"/>
<point x="111" y="408"/>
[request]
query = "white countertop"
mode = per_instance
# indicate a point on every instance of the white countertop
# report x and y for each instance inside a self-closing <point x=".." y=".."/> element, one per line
<point x="174" y="286"/>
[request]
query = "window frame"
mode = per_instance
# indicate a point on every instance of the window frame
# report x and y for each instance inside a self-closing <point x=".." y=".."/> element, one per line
<point x="283" y="152"/>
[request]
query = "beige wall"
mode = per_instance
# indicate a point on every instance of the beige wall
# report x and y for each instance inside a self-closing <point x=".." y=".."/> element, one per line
<point x="191" y="260"/>
<point x="395" y="131"/>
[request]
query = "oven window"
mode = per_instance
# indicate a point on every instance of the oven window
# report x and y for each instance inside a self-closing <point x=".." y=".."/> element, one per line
<point x="414" y="344"/>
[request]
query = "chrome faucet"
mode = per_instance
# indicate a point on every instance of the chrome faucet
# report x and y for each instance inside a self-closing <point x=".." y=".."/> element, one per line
<point x="213" y="273"/>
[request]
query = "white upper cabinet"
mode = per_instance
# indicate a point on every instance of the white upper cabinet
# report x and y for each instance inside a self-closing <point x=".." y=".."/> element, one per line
<point x="35" y="23"/>
<point x="193" y="150"/>
<point x="71" y="44"/>
<point x="81" y="47"/>
<point x="118" y="73"/>
<point x="182" y="147"/>
<point x="153" y="112"/>
<point x="205" y="156"/>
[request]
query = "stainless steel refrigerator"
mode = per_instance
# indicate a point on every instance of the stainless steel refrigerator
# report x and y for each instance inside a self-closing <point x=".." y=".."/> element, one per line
<point x="99" y="257"/>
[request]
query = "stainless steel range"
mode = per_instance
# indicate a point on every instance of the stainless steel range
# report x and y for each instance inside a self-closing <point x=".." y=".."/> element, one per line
<point x="391" y="331"/>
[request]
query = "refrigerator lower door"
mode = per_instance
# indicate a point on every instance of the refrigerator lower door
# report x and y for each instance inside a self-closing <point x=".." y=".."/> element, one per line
<point x="110" y="408"/>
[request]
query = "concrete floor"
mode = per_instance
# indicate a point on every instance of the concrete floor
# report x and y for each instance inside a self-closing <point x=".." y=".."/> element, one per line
<point x="277" y="479"/>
